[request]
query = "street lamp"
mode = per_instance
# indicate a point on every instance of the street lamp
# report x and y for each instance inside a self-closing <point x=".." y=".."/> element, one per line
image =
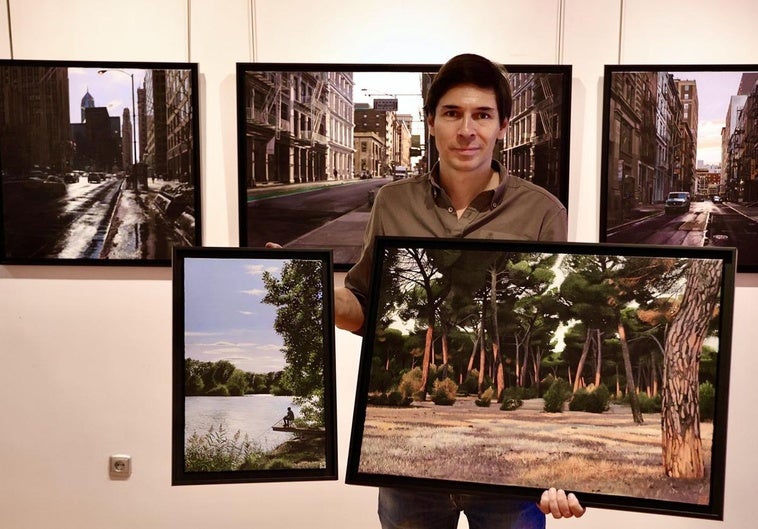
<point x="134" y="115"/>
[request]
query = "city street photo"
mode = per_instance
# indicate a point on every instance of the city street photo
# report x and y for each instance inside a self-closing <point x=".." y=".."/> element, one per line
<point x="316" y="142"/>
<point x="98" y="162"/>
<point x="679" y="158"/>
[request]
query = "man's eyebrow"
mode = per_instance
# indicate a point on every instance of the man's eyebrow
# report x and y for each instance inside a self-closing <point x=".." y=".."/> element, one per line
<point x="452" y="106"/>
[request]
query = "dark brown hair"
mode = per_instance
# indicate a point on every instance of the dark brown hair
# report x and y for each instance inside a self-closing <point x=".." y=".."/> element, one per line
<point x="469" y="68"/>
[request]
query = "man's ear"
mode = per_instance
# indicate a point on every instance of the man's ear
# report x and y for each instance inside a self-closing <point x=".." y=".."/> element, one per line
<point x="430" y="123"/>
<point x="503" y="129"/>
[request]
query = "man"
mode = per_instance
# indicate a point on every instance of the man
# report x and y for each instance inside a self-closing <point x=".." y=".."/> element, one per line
<point x="467" y="194"/>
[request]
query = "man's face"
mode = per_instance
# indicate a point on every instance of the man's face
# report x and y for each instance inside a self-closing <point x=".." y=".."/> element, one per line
<point x="466" y="127"/>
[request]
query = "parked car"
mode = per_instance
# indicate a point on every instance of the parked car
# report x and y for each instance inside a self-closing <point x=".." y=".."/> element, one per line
<point x="71" y="178"/>
<point x="677" y="202"/>
<point x="717" y="199"/>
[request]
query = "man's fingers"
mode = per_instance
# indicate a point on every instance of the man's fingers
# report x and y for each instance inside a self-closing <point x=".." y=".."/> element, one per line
<point x="576" y="508"/>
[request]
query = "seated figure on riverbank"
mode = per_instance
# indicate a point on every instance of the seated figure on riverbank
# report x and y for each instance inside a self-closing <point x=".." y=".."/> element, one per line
<point x="289" y="418"/>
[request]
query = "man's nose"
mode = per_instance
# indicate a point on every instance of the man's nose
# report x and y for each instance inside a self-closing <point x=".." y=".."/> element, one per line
<point x="466" y="126"/>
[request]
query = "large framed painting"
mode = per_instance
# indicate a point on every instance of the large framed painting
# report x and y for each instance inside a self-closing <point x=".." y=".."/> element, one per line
<point x="98" y="162"/>
<point x="679" y="163"/>
<point x="253" y="366"/>
<point x="317" y="141"/>
<point x="511" y="367"/>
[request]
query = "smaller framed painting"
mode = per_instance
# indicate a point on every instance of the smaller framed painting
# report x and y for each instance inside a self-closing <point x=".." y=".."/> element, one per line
<point x="253" y="366"/>
<point x="512" y="367"/>
<point x="99" y="162"/>
<point x="678" y="157"/>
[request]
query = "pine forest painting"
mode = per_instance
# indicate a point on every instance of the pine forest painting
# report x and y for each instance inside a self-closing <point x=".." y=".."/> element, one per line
<point x="253" y="366"/>
<point x="497" y="366"/>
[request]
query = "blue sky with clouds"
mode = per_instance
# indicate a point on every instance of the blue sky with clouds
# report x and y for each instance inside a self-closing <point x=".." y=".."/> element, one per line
<point x="224" y="316"/>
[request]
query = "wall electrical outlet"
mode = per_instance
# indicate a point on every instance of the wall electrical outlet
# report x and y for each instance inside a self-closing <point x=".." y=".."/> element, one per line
<point x="120" y="466"/>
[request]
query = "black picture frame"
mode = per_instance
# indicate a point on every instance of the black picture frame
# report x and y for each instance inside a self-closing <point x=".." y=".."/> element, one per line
<point x="81" y="184"/>
<point x="683" y="129"/>
<point x="288" y="144"/>
<point x="553" y="301"/>
<point x="241" y="362"/>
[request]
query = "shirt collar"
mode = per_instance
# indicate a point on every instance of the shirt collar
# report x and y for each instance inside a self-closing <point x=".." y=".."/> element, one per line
<point x="495" y="195"/>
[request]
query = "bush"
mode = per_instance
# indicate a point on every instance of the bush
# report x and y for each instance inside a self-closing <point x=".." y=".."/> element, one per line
<point x="396" y="398"/>
<point x="377" y="399"/>
<point x="217" y="451"/>
<point x="511" y="399"/>
<point x="649" y="405"/>
<point x="486" y="398"/>
<point x="444" y="391"/>
<point x="410" y="383"/>
<point x="707" y="401"/>
<point x="558" y="393"/>
<point x="591" y="399"/>
<point x="545" y="384"/>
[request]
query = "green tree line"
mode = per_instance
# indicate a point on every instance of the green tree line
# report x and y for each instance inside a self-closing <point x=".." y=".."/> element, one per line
<point x="223" y="379"/>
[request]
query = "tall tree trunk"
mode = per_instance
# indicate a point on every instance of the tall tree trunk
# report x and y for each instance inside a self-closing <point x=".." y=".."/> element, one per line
<point x="682" y="446"/>
<point x="582" y="359"/>
<point x="428" y="358"/>
<point x="598" y="356"/>
<point x="482" y="352"/>
<point x="630" y="389"/>
<point x="444" y="345"/>
<point x="497" y="364"/>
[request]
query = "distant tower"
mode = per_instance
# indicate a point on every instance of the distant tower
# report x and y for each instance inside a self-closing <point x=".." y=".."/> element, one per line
<point x="87" y="102"/>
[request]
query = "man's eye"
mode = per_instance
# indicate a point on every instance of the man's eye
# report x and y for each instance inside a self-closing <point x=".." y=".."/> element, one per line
<point x="450" y="113"/>
<point x="484" y="115"/>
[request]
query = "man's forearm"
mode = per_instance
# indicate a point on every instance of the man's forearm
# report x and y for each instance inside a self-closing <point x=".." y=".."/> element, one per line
<point x="348" y="313"/>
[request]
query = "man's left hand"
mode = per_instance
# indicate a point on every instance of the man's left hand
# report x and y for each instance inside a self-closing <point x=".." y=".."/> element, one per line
<point x="559" y="504"/>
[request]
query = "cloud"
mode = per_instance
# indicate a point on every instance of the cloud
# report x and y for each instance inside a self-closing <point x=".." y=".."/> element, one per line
<point x="245" y="312"/>
<point x="254" y="292"/>
<point x="256" y="270"/>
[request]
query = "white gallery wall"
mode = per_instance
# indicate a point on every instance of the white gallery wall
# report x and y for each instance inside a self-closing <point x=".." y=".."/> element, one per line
<point x="85" y="352"/>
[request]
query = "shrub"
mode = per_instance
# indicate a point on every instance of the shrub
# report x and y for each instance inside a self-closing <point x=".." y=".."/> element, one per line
<point x="649" y="405"/>
<point x="707" y="401"/>
<point x="396" y="398"/>
<point x="410" y="383"/>
<point x="558" y="393"/>
<point x="443" y="392"/>
<point x="486" y="398"/>
<point x="377" y="399"/>
<point x="216" y="451"/>
<point x="591" y="399"/>
<point x="511" y="399"/>
<point x="545" y="383"/>
<point x="471" y="384"/>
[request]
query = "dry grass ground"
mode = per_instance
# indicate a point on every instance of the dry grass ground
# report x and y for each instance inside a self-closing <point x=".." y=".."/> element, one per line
<point x="585" y="452"/>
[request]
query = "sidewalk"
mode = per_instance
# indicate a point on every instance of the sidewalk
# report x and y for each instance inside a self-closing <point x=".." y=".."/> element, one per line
<point x="278" y="189"/>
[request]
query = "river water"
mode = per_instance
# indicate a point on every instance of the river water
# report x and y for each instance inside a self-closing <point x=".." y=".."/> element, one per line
<point x="253" y="415"/>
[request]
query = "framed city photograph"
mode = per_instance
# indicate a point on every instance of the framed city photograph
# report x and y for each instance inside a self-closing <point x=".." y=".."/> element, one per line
<point x="253" y="366"/>
<point x="679" y="163"/>
<point x="98" y="162"/>
<point x="317" y="141"/>
<point x="512" y="367"/>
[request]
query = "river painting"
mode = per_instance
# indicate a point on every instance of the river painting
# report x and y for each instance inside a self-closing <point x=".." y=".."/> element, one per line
<point x="253" y="364"/>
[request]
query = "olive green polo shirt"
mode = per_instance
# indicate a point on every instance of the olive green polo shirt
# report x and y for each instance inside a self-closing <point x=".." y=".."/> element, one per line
<point x="419" y="207"/>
